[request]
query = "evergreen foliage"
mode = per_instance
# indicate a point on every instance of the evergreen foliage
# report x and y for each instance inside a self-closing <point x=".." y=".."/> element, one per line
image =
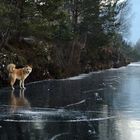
<point x="66" y="36"/>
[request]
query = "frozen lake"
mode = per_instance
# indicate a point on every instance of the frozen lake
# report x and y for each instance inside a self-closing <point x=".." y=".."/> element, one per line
<point x="103" y="105"/>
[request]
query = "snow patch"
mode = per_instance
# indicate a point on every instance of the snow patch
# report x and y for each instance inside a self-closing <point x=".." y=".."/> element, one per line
<point x="134" y="64"/>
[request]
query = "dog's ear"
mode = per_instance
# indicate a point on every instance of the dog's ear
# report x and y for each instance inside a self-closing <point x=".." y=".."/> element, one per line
<point x="30" y="65"/>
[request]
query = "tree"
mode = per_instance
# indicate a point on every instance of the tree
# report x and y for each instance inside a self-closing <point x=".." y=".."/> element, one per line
<point x="38" y="18"/>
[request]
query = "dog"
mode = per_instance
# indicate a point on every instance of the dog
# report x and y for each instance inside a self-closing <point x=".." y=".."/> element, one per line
<point x="18" y="74"/>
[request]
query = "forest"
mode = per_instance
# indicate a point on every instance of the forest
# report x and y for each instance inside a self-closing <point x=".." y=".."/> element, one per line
<point x="63" y="38"/>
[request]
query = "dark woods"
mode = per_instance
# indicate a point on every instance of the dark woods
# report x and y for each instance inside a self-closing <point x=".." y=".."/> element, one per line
<point x="62" y="38"/>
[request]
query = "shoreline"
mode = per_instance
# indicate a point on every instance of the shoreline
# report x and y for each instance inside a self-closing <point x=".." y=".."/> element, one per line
<point x="74" y="77"/>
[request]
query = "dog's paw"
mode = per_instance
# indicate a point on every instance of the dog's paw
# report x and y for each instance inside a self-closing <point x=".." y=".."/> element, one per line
<point x="23" y="87"/>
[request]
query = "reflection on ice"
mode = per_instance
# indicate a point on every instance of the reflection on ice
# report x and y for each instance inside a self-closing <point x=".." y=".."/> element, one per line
<point x="53" y="115"/>
<point x="18" y="102"/>
<point x="129" y="129"/>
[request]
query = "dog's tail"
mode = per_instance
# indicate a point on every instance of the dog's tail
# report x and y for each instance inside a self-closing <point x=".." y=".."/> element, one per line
<point x="11" y="67"/>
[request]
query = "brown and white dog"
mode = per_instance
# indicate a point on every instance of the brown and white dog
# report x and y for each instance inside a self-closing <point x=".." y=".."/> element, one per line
<point x="20" y="74"/>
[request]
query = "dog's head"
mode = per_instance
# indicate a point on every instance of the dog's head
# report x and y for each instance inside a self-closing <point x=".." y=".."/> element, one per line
<point x="28" y="69"/>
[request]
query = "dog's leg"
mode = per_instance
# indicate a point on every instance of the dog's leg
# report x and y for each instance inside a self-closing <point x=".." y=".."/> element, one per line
<point x="20" y="84"/>
<point x="13" y="80"/>
<point x="23" y="84"/>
